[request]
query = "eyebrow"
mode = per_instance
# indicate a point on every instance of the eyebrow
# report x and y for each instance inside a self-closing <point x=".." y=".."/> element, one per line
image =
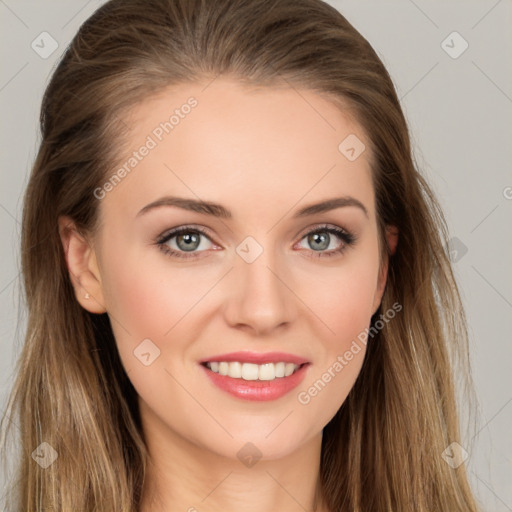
<point x="217" y="210"/>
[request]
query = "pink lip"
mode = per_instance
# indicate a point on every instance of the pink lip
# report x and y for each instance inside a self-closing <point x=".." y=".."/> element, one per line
<point x="257" y="358"/>
<point x="257" y="390"/>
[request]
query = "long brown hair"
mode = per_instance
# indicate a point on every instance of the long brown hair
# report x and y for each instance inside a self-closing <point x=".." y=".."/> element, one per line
<point x="383" y="449"/>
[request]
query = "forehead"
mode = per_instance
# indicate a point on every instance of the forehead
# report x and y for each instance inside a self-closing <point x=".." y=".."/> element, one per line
<point x="226" y="142"/>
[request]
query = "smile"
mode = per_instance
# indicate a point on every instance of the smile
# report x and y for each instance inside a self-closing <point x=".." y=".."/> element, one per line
<point x="251" y="371"/>
<point x="255" y="376"/>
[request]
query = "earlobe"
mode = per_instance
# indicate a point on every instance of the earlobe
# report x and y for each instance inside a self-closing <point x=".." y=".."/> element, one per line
<point x="82" y="267"/>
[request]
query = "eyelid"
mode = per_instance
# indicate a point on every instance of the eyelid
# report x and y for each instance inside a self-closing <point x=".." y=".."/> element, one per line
<point x="186" y="227"/>
<point x="323" y="225"/>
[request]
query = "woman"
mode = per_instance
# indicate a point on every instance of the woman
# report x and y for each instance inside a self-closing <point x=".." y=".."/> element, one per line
<point x="237" y="289"/>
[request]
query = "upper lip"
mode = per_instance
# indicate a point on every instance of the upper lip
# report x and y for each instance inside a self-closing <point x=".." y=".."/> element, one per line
<point x="257" y="358"/>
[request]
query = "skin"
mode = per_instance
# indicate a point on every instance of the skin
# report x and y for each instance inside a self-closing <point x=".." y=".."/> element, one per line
<point x="263" y="154"/>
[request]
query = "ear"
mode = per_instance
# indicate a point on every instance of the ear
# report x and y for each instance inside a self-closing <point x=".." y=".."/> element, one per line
<point x="392" y="238"/>
<point x="392" y="242"/>
<point x="82" y="267"/>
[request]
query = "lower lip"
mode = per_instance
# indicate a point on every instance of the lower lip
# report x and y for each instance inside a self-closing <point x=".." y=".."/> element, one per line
<point x="258" y="390"/>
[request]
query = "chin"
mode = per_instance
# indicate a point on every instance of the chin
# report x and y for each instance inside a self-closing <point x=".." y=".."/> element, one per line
<point x="259" y="442"/>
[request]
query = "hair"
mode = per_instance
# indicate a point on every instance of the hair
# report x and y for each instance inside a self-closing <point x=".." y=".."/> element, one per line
<point x="383" y="449"/>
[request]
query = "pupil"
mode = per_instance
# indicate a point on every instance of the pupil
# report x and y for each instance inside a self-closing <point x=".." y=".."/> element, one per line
<point x="318" y="238"/>
<point x="189" y="241"/>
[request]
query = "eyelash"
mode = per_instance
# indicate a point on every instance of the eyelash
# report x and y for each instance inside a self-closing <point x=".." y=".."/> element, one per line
<point x="347" y="238"/>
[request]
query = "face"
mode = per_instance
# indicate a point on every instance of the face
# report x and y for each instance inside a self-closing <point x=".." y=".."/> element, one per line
<point x="258" y="278"/>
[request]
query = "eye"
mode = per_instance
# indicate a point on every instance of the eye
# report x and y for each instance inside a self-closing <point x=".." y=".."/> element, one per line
<point x="321" y="239"/>
<point x="183" y="242"/>
<point x="186" y="241"/>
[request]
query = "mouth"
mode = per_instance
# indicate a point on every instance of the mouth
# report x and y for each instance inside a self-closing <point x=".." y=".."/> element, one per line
<point x="253" y="376"/>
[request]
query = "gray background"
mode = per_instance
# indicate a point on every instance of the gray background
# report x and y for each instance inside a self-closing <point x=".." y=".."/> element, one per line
<point x="459" y="112"/>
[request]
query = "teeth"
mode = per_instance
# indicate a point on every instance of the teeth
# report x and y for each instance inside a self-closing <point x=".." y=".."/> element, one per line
<point x="235" y="370"/>
<point x="280" y="369"/>
<point x="267" y="371"/>
<point x="251" y="371"/>
<point x="289" y="369"/>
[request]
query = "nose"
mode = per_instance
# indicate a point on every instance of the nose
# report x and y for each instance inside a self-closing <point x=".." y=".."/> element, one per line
<point x="261" y="299"/>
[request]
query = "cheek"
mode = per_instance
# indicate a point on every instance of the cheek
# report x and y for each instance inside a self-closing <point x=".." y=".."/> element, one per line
<point x="343" y="299"/>
<point x="344" y="303"/>
<point x="149" y="301"/>
<point x="150" y="304"/>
